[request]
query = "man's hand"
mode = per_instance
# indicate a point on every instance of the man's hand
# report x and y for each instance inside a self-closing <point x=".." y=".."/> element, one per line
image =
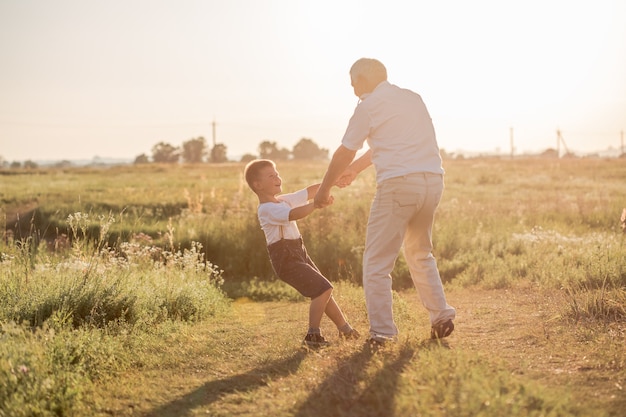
<point x="346" y="178"/>
<point x="338" y="164"/>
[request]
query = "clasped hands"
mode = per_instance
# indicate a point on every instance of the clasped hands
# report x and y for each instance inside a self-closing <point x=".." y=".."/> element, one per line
<point x="324" y="199"/>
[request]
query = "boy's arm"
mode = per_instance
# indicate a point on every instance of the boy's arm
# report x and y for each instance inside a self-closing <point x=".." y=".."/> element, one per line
<point x="312" y="190"/>
<point x="298" y="213"/>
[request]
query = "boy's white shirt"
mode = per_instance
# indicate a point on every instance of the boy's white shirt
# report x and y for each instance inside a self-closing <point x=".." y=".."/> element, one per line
<point x="274" y="215"/>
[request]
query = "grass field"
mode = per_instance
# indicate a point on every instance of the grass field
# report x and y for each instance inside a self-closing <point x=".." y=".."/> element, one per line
<point x="147" y="291"/>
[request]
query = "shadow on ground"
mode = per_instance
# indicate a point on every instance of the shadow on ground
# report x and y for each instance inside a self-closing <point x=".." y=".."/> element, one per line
<point x="212" y="391"/>
<point x="351" y="390"/>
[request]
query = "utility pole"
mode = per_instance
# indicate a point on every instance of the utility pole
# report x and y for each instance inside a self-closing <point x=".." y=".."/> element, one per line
<point x="213" y="127"/>
<point x="558" y="143"/>
<point x="559" y="140"/>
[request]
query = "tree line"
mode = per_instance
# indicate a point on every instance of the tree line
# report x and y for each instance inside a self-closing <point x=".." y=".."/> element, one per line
<point x="196" y="150"/>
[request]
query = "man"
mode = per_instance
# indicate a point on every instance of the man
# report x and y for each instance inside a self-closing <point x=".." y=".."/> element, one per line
<point x="409" y="176"/>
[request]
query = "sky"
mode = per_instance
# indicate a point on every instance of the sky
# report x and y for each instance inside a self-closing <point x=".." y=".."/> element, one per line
<point x="111" y="79"/>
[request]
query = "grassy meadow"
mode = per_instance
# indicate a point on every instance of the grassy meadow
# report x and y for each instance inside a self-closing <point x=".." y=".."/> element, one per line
<point x="115" y="280"/>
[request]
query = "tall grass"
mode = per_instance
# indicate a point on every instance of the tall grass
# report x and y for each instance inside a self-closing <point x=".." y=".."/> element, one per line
<point x="94" y="284"/>
<point x="548" y="221"/>
<point x="67" y="319"/>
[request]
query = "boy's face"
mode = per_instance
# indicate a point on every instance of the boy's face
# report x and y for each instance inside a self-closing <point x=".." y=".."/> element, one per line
<point x="268" y="181"/>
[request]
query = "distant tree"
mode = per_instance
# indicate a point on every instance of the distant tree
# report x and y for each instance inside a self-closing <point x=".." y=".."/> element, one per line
<point x="63" y="164"/>
<point x="194" y="150"/>
<point x="141" y="159"/>
<point x="30" y="164"/>
<point x="269" y="150"/>
<point x="550" y="153"/>
<point x="218" y="153"/>
<point x="248" y="157"/>
<point x="165" y="153"/>
<point x="307" y="149"/>
<point x="16" y="164"/>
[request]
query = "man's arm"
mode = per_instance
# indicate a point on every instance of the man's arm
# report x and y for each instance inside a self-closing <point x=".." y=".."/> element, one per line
<point x="338" y="164"/>
<point x="354" y="169"/>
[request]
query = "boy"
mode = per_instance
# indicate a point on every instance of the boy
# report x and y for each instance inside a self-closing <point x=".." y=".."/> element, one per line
<point x="277" y="216"/>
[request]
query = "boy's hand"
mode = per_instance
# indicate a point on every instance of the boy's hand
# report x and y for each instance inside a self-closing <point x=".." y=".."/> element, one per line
<point x="321" y="202"/>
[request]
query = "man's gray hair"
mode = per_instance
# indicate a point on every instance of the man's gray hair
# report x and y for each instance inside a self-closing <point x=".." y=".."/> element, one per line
<point x="370" y="68"/>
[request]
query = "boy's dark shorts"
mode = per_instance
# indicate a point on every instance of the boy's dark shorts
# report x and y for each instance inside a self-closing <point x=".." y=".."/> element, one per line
<point x="293" y="266"/>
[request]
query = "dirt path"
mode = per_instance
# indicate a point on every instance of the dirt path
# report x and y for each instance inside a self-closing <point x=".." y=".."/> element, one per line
<point x="252" y="351"/>
<point x="525" y="328"/>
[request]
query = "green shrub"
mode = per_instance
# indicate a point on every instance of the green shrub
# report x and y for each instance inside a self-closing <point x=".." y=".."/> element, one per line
<point x="48" y="371"/>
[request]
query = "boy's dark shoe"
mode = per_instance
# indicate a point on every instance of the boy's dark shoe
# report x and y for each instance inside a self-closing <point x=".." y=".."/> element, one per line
<point x="351" y="335"/>
<point x="315" y="341"/>
<point x="441" y="330"/>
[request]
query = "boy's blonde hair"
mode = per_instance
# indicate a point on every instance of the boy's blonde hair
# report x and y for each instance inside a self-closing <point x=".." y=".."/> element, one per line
<point x="252" y="169"/>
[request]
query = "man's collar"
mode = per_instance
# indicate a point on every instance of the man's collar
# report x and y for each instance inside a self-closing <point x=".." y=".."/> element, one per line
<point x="381" y="84"/>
